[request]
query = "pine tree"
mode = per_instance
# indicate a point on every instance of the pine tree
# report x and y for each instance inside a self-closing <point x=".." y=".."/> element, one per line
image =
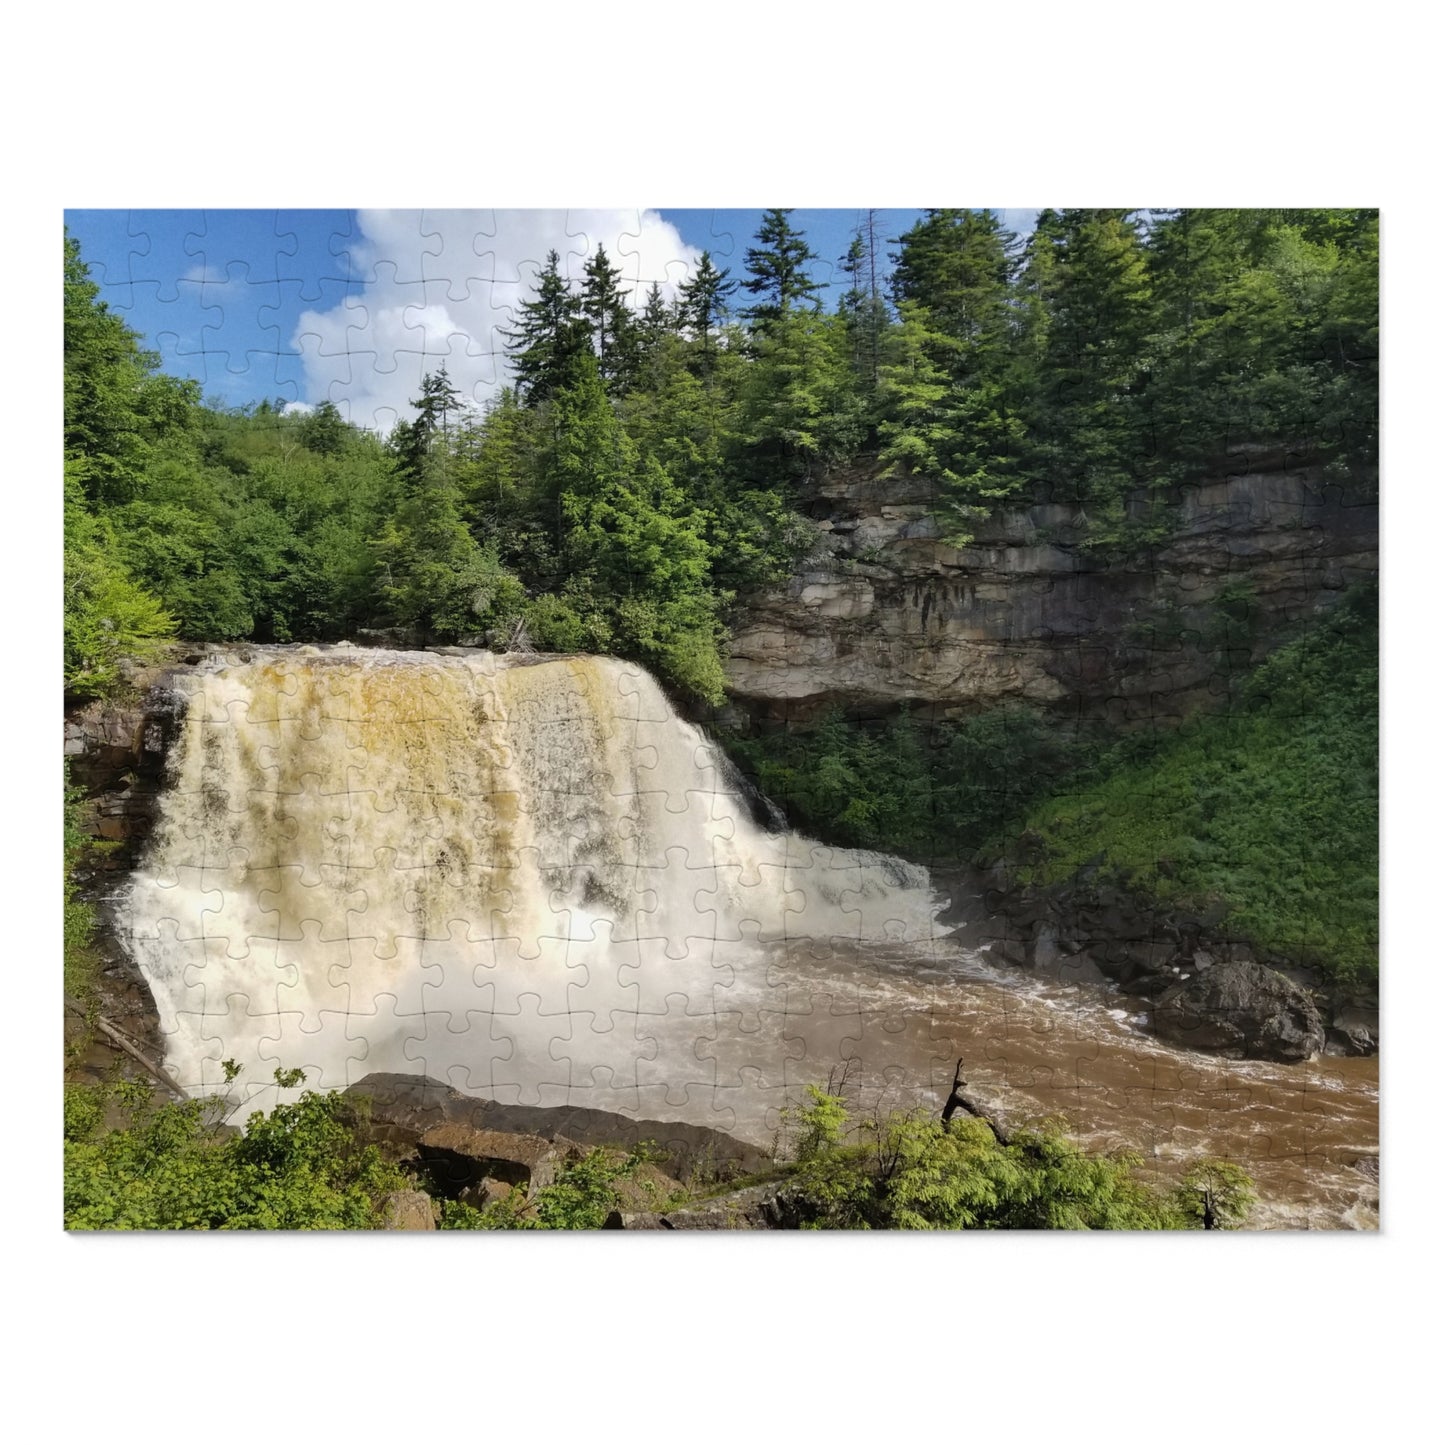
<point x="411" y="441"/>
<point x="702" y="306"/>
<point x="1193" y="257"/>
<point x="548" y="335"/>
<point x="958" y="264"/>
<point x="657" y="320"/>
<point x="1091" y="421"/>
<point x="778" y="270"/>
<point x="917" y="434"/>
<point x="862" y="305"/>
<point x="802" y="406"/>
<point x="433" y="573"/>
<point x="614" y="333"/>
<point x="851" y="303"/>
<point x="496" y="470"/>
<point x="632" y="540"/>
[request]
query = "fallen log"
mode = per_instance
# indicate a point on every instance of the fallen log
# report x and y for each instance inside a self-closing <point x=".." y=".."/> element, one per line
<point x="121" y="1042"/>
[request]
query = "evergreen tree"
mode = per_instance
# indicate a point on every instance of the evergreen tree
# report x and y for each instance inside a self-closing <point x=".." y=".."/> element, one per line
<point x="778" y="270"/>
<point x="952" y="385"/>
<point x="802" y="406"/>
<point x="614" y="333"/>
<point x="496" y="464"/>
<point x="548" y="335"/>
<point x="657" y="321"/>
<point x="862" y="304"/>
<point x="434" y="407"/>
<point x="411" y="441"/>
<point x="632" y="538"/>
<point x="1033" y="289"/>
<point x="434" y="575"/>
<point x="1092" y="430"/>
<point x="918" y="435"/>
<point x="958" y="264"/>
<point x="702" y="306"/>
<point x="1268" y="328"/>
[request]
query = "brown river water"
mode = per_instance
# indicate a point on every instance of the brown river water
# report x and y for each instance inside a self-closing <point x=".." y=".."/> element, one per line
<point x="1079" y="1052"/>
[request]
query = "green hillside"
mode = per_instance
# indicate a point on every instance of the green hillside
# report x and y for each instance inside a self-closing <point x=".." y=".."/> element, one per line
<point x="1270" y="807"/>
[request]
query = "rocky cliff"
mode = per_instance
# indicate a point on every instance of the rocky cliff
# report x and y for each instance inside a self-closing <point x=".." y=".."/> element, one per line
<point x="886" y="612"/>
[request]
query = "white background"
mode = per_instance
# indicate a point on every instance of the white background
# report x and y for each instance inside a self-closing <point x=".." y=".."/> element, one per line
<point x="956" y="1338"/>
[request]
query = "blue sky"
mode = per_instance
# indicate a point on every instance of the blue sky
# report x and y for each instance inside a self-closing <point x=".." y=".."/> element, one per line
<point x="355" y="306"/>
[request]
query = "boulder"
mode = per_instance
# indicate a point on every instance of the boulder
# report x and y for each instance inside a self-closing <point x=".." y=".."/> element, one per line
<point x="1355" y="1029"/>
<point x="1008" y="950"/>
<point x="401" y="1108"/>
<point x="489" y="1191"/>
<point x="460" y="1157"/>
<point x="1241" y="1010"/>
<point x="1077" y="968"/>
<point x="646" y="1188"/>
<point x="762" y="1206"/>
<point x="407" y="1209"/>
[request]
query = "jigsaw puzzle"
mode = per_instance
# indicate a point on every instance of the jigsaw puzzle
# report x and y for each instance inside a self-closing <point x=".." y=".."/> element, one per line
<point x="721" y="720"/>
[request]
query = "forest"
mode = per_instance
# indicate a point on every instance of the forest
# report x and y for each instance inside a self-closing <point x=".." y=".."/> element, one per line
<point x="643" y="469"/>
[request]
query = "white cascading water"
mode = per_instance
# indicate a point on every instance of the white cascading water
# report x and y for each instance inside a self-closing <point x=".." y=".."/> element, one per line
<point x="527" y="878"/>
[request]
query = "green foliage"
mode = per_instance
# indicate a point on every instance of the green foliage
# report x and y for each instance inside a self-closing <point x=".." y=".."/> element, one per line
<point x="435" y="575"/>
<point x="79" y="960"/>
<point x="171" y="1167"/>
<point x="801" y="404"/>
<point x="1270" y="807"/>
<point x="614" y="333"/>
<point x="1269" y="330"/>
<point x="958" y="264"/>
<point x="1088" y="406"/>
<point x="1113" y="356"/>
<point x="583" y="1194"/>
<point x="818" y="1127"/>
<point x="906" y="787"/>
<point x="702" y="306"/>
<point x="117" y="408"/>
<point x="1216" y="1186"/>
<point x="107" y="615"/>
<point x="631" y="540"/>
<point x="912" y="1171"/>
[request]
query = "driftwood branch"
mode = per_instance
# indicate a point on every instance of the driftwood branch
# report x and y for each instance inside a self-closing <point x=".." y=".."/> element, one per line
<point x="957" y="1100"/>
<point x="121" y="1042"/>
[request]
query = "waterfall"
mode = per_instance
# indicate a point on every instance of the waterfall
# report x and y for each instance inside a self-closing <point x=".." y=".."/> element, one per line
<point x="527" y="877"/>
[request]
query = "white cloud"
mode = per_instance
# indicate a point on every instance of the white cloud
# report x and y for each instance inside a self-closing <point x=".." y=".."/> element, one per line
<point x="440" y="285"/>
<point x="1021" y="222"/>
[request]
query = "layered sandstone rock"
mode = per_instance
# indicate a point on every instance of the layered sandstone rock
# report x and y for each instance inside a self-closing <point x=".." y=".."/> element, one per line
<point x="886" y="611"/>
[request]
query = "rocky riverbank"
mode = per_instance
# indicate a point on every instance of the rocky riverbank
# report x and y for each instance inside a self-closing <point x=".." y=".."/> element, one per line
<point x="1200" y="984"/>
<point x="477" y="1151"/>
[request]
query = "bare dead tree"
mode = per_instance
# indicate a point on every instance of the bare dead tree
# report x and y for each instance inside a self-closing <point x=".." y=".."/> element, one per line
<point x="957" y="1100"/>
